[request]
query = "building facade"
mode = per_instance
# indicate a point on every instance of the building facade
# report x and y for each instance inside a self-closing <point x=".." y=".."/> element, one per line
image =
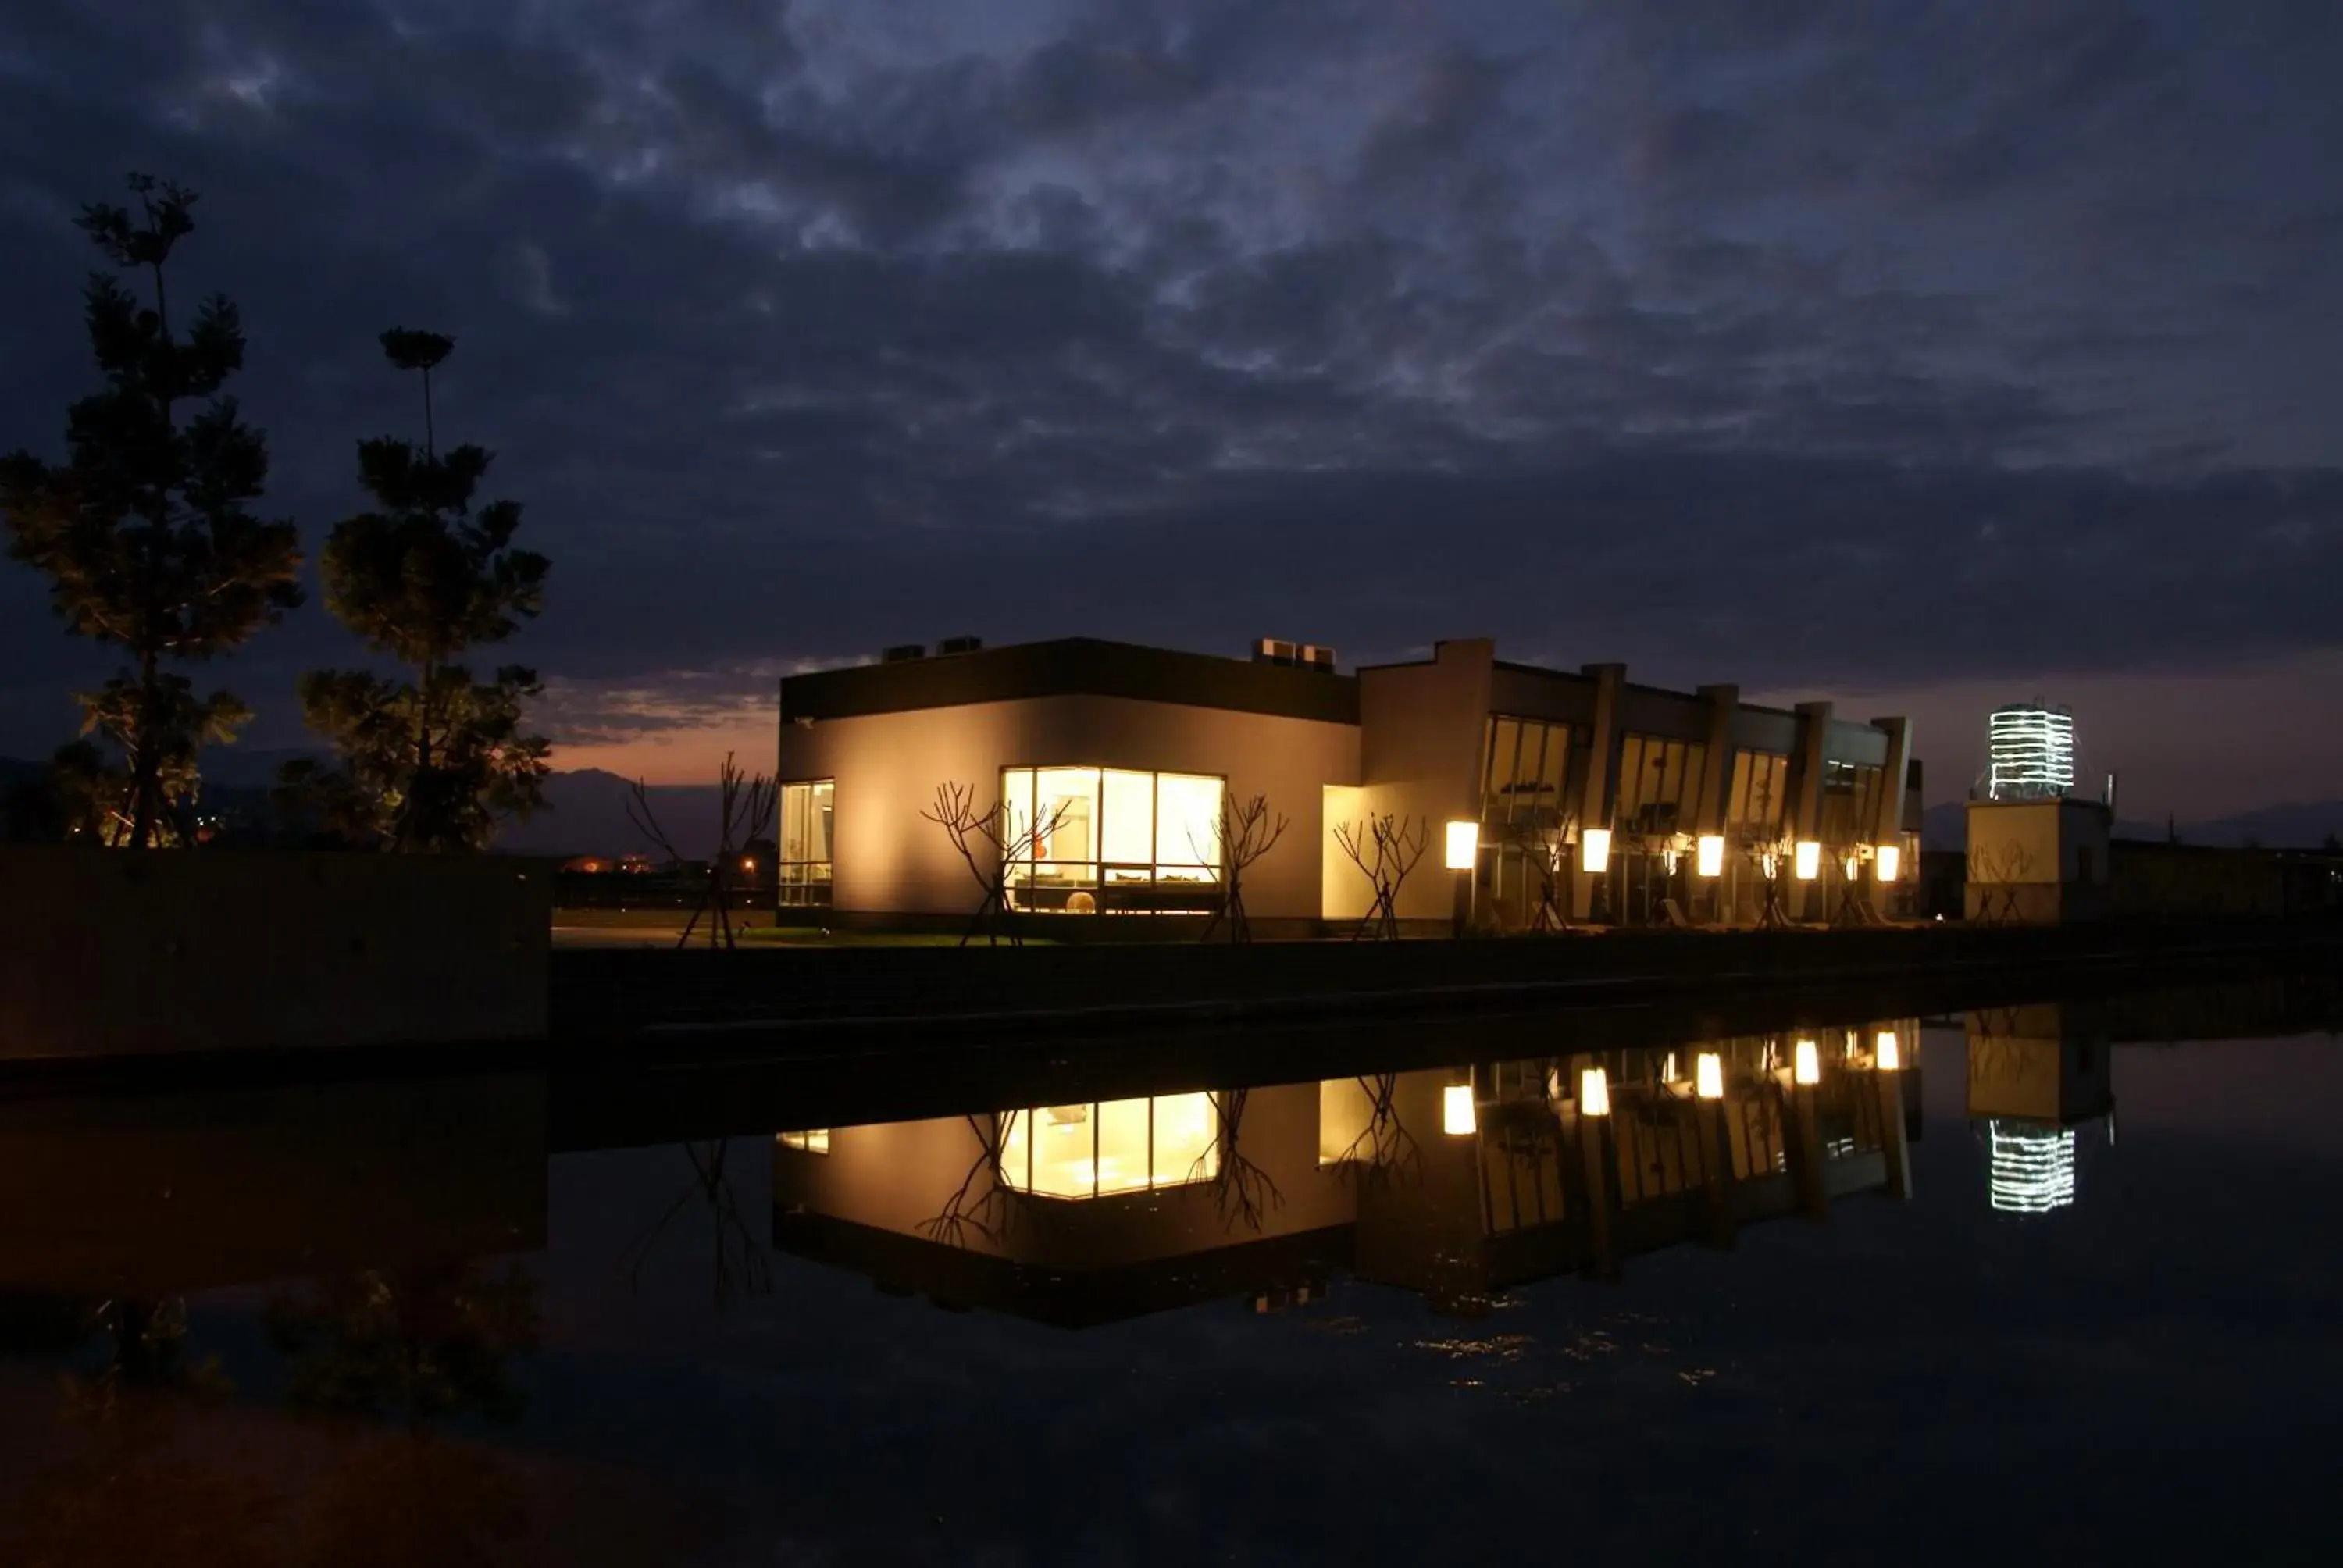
<point x="1113" y="780"/>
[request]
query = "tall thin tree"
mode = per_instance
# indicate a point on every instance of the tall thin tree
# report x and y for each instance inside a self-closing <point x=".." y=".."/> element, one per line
<point x="146" y="530"/>
<point x="429" y="763"/>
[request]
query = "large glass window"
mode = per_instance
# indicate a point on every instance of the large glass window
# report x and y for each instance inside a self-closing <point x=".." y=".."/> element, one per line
<point x="1850" y="797"/>
<point x="1523" y="766"/>
<point x="1761" y="792"/>
<point x="1659" y="784"/>
<point x="1112" y="839"/>
<point x="805" y="868"/>
<point x="1098" y="1149"/>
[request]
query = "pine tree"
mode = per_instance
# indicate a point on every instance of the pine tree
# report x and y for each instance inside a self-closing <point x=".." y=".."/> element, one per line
<point x="431" y="762"/>
<point x="146" y="532"/>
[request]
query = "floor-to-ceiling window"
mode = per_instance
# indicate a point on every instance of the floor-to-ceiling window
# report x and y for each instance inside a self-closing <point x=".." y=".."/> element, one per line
<point x="806" y="866"/>
<point x="1098" y="1149"/>
<point x="1659" y="794"/>
<point x="1525" y="768"/>
<point x="1090" y="840"/>
<point x="1755" y="810"/>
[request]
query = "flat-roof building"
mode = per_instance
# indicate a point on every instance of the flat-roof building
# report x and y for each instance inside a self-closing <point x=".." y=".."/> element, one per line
<point x="1115" y="779"/>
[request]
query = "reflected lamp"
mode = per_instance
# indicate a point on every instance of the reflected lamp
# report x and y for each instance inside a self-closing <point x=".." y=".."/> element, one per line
<point x="1806" y="1062"/>
<point x="1708" y="1075"/>
<point x="1888" y="862"/>
<point x="1887" y="1052"/>
<point x="1808" y="863"/>
<point x="1593" y="1092"/>
<point x="1463" y="845"/>
<point x="1594" y="852"/>
<point x="1456" y="1118"/>
<point x="1708" y="855"/>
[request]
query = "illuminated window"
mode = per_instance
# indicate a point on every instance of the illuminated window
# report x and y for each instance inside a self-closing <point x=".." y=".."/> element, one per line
<point x="1100" y="1149"/>
<point x="805" y="868"/>
<point x="1761" y="786"/>
<point x="813" y="1140"/>
<point x="1523" y="764"/>
<point x="1112" y="839"/>
<point x="1659" y="783"/>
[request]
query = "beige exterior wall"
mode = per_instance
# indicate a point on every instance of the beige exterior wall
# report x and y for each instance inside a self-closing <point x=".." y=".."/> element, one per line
<point x="1420" y="760"/>
<point x="2036" y="862"/>
<point x="886" y="767"/>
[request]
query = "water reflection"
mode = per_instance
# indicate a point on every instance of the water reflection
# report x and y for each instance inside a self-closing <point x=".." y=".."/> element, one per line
<point x="2036" y="1076"/>
<point x="1455" y="1182"/>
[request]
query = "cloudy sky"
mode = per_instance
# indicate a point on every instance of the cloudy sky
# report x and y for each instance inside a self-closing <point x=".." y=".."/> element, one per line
<point x="1920" y="354"/>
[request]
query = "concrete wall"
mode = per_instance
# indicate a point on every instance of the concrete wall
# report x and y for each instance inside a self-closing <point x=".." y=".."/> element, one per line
<point x="2037" y="862"/>
<point x="120" y="953"/>
<point x="888" y="765"/>
<point x="1421" y="728"/>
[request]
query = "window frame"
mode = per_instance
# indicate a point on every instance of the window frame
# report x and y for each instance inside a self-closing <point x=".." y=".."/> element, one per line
<point x="802" y="882"/>
<point x="1096" y="875"/>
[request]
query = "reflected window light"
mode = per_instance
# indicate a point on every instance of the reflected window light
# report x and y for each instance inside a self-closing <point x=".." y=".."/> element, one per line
<point x="1594" y="850"/>
<point x="1593" y="1092"/>
<point x="1708" y="855"/>
<point x="1887" y="1052"/>
<point x="1456" y="1118"/>
<point x="1806" y="1062"/>
<point x="1708" y="1075"/>
<point x="1808" y="864"/>
<point x="812" y="1141"/>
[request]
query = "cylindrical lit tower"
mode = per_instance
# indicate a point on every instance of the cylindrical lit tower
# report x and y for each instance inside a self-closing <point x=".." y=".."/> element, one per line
<point x="2033" y="749"/>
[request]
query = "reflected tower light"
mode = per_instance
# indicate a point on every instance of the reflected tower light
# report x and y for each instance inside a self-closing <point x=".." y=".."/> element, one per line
<point x="1806" y="1062"/>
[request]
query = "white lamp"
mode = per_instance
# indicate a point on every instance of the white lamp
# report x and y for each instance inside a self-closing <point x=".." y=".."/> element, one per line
<point x="1806" y="1062"/>
<point x="1593" y="1092"/>
<point x="1808" y="862"/>
<point x="1887" y="862"/>
<point x="1456" y="1118"/>
<point x="1708" y="1075"/>
<point x="1463" y="845"/>
<point x="1708" y="855"/>
<point x="1887" y="1052"/>
<point x="1594" y="850"/>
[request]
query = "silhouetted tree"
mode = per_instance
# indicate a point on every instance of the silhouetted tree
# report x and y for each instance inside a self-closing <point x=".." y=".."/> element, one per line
<point x="1246" y="832"/>
<point x="430" y="763"/>
<point x="1384" y="848"/>
<point x="145" y="532"/>
<point x="991" y="848"/>
<point x="744" y="814"/>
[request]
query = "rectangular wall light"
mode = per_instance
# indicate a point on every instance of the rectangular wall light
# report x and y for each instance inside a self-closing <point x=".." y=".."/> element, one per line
<point x="1463" y="845"/>
<point x="1593" y="1092"/>
<point x="1708" y="855"/>
<point x="1888" y="862"/>
<point x="1808" y="863"/>
<point x="1807" y="1062"/>
<point x="1594" y="850"/>
<point x="1708" y="1075"/>
<point x="1456" y="1118"/>
<point x="1887" y="1052"/>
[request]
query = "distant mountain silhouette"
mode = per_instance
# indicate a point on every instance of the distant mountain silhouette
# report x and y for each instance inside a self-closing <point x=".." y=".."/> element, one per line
<point x="587" y="815"/>
<point x="2302" y="825"/>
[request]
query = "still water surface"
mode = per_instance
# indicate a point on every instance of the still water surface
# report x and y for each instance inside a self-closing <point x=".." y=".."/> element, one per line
<point x="2029" y="1281"/>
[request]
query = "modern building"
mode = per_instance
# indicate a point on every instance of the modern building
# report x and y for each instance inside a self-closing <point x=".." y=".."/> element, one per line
<point x="1114" y="780"/>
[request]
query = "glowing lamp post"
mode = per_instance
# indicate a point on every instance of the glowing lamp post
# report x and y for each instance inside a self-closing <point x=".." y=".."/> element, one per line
<point x="1708" y="855"/>
<point x="1594" y="852"/>
<point x="1456" y="1118"/>
<point x="1460" y="852"/>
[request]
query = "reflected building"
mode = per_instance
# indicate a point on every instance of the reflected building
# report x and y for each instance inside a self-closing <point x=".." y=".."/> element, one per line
<point x="2038" y="1076"/>
<point x="1456" y="1183"/>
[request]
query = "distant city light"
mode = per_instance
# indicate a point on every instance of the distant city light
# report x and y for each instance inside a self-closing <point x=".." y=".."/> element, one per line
<point x="2030" y="1170"/>
<point x="2033" y="753"/>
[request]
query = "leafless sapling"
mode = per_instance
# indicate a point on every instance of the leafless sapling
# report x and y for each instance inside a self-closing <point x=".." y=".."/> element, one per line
<point x="992" y="849"/>
<point x="1384" y="848"/>
<point x="1247" y="832"/>
<point x="744" y="804"/>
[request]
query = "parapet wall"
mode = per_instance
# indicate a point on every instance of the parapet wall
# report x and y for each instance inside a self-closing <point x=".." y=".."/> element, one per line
<point x="120" y="952"/>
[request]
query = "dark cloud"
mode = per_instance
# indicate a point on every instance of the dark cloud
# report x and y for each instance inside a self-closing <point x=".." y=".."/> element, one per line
<point x="1750" y="342"/>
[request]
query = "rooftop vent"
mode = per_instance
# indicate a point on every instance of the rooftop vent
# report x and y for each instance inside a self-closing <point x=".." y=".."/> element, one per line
<point x="951" y="644"/>
<point x="903" y="653"/>
<point x="1301" y="655"/>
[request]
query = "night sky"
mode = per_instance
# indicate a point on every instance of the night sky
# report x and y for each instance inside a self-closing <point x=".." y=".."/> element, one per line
<point x="1925" y="356"/>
